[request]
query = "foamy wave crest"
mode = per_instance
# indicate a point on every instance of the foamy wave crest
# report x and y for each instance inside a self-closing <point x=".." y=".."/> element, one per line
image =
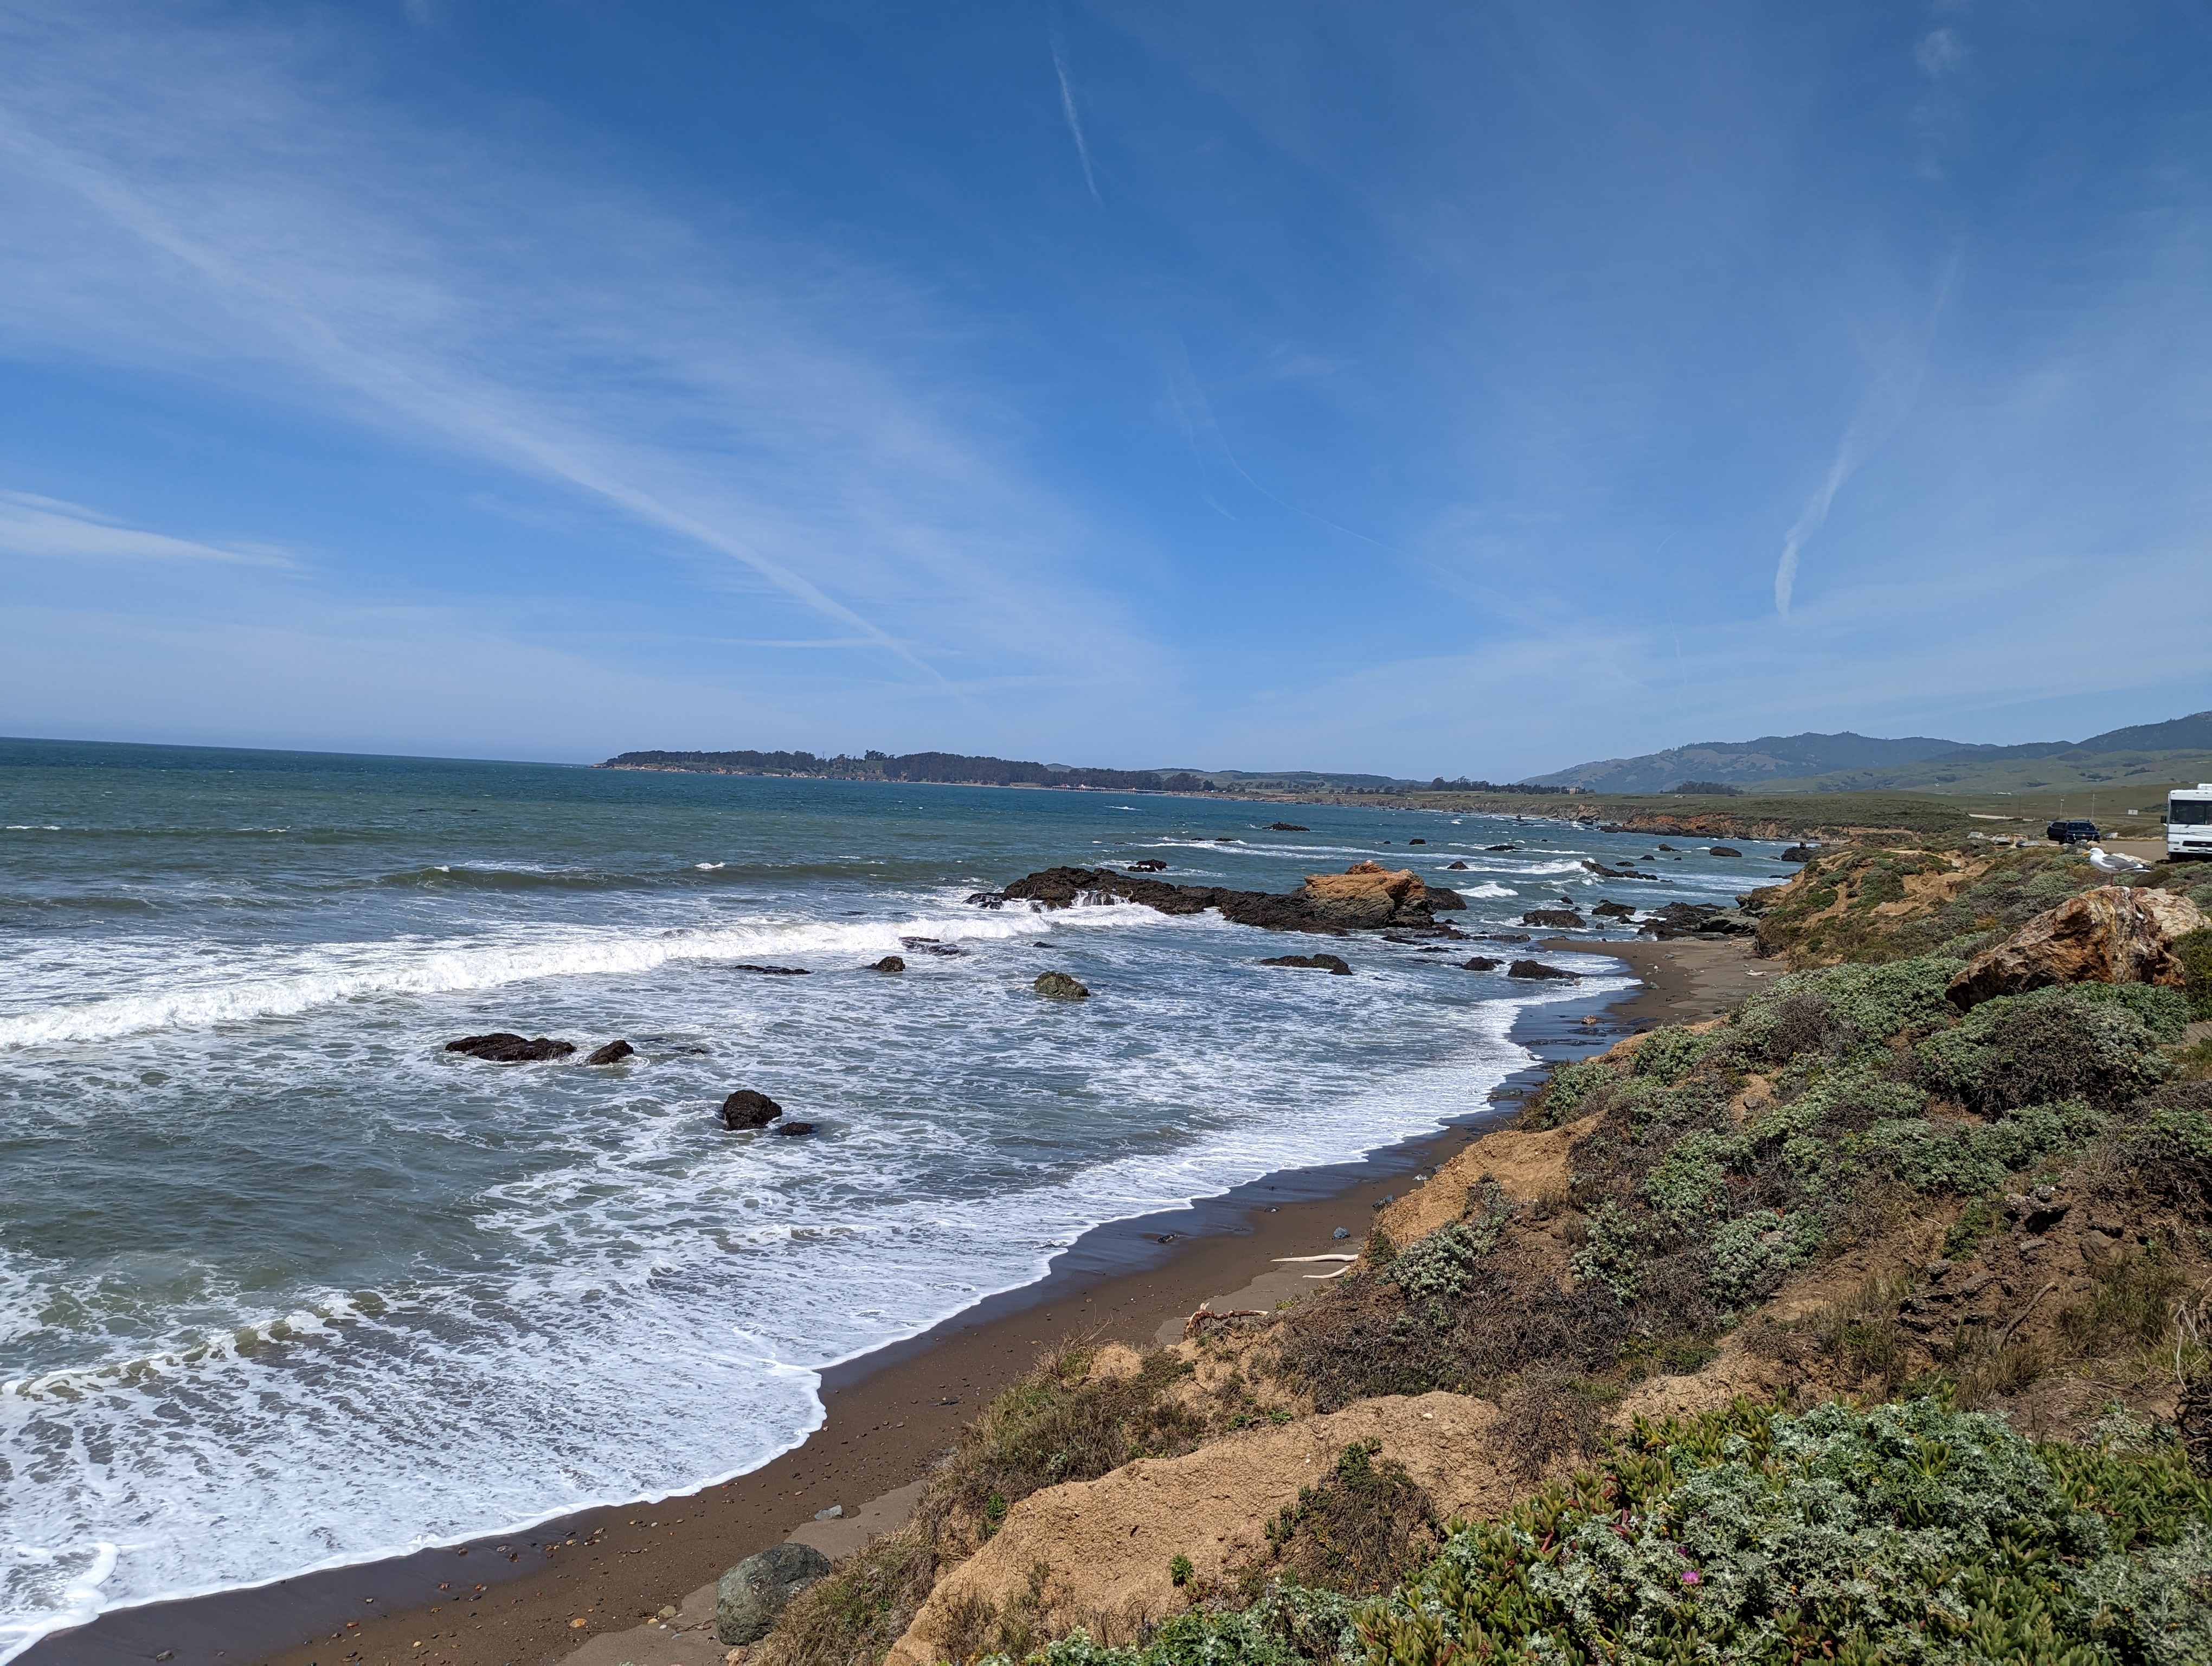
<point x="261" y="987"/>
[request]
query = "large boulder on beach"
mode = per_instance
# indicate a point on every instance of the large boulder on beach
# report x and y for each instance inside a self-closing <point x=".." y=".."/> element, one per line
<point x="748" y="1598"/>
<point x="1365" y="895"/>
<point x="1059" y="986"/>
<point x="746" y="1109"/>
<point x="504" y="1047"/>
<point x="2113" y="934"/>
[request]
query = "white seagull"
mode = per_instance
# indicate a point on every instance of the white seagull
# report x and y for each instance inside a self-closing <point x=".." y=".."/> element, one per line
<point x="2106" y="861"/>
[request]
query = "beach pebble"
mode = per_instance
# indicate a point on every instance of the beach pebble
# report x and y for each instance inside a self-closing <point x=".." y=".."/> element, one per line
<point x="835" y="1512"/>
<point x="748" y="1598"/>
<point x="1341" y="1232"/>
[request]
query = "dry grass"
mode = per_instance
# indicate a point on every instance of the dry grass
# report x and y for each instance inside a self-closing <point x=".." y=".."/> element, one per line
<point x="1362" y="1529"/>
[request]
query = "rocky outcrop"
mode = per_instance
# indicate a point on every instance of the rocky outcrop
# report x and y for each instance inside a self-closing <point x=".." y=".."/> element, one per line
<point x="613" y="1053"/>
<point x="747" y="1109"/>
<point x="1330" y="904"/>
<point x="1287" y="827"/>
<point x="504" y="1047"/>
<point x="1723" y="850"/>
<point x="1612" y="910"/>
<point x="1537" y="968"/>
<point x="771" y="971"/>
<point x="2113" y="934"/>
<point x="1317" y="962"/>
<point x="1366" y="896"/>
<point x="792" y="1130"/>
<point x="1059" y="986"/>
<point x="749" y="1595"/>
<point x="1455" y="867"/>
<point x="1477" y="963"/>
<point x="890" y="962"/>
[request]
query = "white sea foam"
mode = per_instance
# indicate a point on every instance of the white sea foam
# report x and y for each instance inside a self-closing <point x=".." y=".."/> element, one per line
<point x="252" y="988"/>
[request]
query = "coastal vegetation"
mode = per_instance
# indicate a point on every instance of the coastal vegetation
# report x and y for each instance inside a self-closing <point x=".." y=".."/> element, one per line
<point x="1864" y="1323"/>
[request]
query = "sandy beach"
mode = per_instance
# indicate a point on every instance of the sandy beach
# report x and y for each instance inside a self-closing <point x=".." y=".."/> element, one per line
<point x="516" y="1601"/>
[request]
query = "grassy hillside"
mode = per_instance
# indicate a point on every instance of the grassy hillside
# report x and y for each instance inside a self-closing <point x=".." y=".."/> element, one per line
<point x="2118" y="781"/>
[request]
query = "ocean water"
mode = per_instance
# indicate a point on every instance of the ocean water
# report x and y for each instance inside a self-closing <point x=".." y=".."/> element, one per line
<point x="284" y="1284"/>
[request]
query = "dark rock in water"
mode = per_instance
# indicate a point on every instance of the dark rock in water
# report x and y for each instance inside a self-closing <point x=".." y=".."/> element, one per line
<point x="1228" y="841"/>
<point x="1318" y="962"/>
<point x="1455" y="867"/>
<point x="1287" y="827"/>
<point x="1477" y="963"/>
<point x="890" y="962"/>
<point x="748" y="1598"/>
<point x="916" y="942"/>
<point x="1445" y="900"/>
<point x="1666" y="846"/>
<point x="773" y="971"/>
<point x="1797" y="853"/>
<point x="611" y="1053"/>
<point x="1722" y="850"/>
<point x="987" y="899"/>
<point x="1536" y="968"/>
<point x="796" y="1130"/>
<point x="1503" y="937"/>
<point x="1612" y="910"/>
<point x="1416" y="842"/>
<point x="1556" y="919"/>
<point x="1498" y="847"/>
<point x="1150" y="864"/>
<point x="504" y="1047"/>
<point x="747" y="1109"/>
<point x="1059" y="986"/>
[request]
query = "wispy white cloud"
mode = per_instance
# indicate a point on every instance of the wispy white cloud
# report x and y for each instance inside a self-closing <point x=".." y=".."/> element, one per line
<point x="46" y="528"/>
<point x="1074" y="121"/>
<point x="238" y="209"/>
<point x="1887" y="401"/>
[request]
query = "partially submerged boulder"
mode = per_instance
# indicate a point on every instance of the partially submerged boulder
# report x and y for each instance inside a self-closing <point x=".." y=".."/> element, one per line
<point x="1556" y="919"/>
<point x="746" y="1109"/>
<point x="749" y="1595"/>
<point x="504" y="1047"/>
<point x="1059" y="986"/>
<point x="612" y="1053"/>
<point x="890" y="962"/>
<point x="2113" y="934"/>
<point x="1537" y="968"/>
<point x="1317" y="962"/>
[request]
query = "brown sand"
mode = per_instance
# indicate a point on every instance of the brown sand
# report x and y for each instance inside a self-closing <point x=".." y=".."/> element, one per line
<point x="886" y="1424"/>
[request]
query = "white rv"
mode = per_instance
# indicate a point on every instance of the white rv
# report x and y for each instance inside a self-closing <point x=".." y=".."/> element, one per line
<point x="2189" y="821"/>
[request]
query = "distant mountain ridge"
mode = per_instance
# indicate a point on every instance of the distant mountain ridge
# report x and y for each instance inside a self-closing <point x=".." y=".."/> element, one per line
<point x="1796" y="758"/>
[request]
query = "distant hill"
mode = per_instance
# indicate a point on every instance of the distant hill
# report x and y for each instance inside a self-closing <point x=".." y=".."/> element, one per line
<point x="1770" y="757"/>
<point x="1856" y="762"/>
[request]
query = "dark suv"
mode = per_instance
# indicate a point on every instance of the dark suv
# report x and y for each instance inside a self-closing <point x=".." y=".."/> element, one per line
<point x="2072" y="833"/>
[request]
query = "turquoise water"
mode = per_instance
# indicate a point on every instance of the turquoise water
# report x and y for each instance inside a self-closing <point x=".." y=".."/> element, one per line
<point x="284" y="1284"/>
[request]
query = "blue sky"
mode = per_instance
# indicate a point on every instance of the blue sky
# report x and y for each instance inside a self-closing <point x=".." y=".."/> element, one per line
<point x="1472" y="389"/>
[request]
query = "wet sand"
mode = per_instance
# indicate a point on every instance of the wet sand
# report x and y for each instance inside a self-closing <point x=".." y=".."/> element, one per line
<point x="890" y="1415"/>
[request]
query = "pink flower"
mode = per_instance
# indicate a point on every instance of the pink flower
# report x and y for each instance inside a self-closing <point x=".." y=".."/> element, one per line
<point x="1691" y="1578"/>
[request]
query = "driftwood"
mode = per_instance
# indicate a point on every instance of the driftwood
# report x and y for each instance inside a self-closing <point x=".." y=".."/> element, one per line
<point x="1195" y="1325"/>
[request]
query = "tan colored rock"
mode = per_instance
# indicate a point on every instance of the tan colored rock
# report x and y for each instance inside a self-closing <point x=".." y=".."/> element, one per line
<point x="1367" y="895"/>
<point x="2113" y="934"/>
<point x="1107" y="1542"/>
